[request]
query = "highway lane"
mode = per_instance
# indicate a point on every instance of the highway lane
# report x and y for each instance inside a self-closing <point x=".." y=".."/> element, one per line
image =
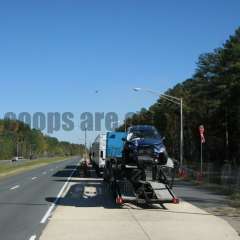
<point x="23" y="199"/>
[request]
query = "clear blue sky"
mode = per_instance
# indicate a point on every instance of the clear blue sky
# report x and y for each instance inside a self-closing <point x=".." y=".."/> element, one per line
<point x="55" y="54"/>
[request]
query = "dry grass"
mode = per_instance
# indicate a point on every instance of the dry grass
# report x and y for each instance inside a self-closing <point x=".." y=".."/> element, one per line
<point x="14" y="168"/>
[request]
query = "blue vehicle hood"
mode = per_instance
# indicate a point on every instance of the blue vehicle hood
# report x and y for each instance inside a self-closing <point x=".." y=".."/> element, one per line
<point x="148" y="142"/>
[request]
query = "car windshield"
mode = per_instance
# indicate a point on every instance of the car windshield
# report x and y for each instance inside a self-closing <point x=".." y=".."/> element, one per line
<point x="144" y="133"/>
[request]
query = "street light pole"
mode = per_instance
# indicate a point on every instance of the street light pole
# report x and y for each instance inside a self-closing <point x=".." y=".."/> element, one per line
<point x="17" y="149"/>
<point x="181" y="132"/>
<point x="178" y="101"/>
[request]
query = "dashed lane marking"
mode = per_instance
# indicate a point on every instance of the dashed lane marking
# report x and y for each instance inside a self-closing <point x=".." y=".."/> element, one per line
<point x="49" y="211"/>
<point x="33" y="237"/>
<point x="14" y="187"/>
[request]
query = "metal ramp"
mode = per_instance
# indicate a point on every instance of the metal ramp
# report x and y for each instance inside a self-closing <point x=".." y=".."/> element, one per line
<point x="163" y="193"/>
<point x="150" y="192"/>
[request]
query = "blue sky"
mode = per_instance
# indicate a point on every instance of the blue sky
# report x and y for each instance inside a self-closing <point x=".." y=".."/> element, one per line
<point x="55" y="54"/>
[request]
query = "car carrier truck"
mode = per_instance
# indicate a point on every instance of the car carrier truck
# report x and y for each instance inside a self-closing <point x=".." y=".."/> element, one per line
<point x="136" y="166"/>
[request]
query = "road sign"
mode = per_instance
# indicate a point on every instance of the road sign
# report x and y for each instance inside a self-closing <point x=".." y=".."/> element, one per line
<point x="201" y="131"/>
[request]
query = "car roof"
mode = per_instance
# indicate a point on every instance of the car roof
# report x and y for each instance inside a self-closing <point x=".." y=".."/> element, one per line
<point x="141" y="127"/>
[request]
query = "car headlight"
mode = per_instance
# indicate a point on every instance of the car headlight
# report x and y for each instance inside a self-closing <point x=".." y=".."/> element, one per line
<point x="162" y="150"/>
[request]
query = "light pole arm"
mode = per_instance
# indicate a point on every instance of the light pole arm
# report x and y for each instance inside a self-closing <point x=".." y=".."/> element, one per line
<point x="169" y="96"/>
<point x="165" y="96"/>
<point x="170" y="100"/>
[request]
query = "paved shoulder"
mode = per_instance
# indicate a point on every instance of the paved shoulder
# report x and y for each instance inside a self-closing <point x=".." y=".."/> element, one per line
<point x="87" y="212"/>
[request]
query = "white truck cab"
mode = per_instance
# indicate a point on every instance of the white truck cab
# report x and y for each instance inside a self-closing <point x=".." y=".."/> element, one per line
<point x="99" y="151"/>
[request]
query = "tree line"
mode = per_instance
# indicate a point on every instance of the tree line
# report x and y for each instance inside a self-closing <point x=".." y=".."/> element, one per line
<point x="210" y="97"/>
<point x="17" y="138"/>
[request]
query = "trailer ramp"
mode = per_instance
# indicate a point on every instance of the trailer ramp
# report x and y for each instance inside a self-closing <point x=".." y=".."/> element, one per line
<point x="163" y="193"/>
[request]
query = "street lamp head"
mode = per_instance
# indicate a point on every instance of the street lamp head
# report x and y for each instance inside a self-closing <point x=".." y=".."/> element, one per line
<point x="136" y="89"/>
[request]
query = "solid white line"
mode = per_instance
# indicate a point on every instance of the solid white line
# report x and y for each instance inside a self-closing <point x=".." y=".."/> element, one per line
<point x="49" y="211"/>
<point x="34" y="178"/>
<point x="33" y="237"/>
<point x="15" y="187"/>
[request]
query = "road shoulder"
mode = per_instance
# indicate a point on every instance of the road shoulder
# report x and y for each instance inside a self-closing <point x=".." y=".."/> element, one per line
<point x="85" y="215"/>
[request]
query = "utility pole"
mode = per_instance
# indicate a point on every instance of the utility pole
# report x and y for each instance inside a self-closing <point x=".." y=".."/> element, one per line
<point x="85" y="143"/>
<point x="125" y="124"/>
<point x="201" y="159"/>
<point x="17" y="149"/>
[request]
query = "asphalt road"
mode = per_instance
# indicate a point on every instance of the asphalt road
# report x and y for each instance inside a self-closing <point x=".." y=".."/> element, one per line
<point x="24" y="208"/>
<point x="28" y="199"/>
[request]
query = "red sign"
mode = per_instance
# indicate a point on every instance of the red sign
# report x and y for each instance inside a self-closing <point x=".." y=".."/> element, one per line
<point x="201" y="131"/>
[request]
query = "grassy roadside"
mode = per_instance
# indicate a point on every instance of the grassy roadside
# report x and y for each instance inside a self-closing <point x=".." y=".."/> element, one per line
<point x="235" y="200"/>
<point x="15" y="168"/>
<point x="232" y="194"/>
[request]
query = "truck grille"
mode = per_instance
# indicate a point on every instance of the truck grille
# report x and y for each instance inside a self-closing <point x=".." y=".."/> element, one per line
<point x="145" y="151"/>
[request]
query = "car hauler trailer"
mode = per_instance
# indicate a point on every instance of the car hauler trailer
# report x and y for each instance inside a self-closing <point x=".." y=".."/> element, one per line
<point x="136" y="170"/>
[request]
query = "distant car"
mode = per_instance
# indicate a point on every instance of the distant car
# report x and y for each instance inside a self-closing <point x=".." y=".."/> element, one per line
<point x="15" y="159"/>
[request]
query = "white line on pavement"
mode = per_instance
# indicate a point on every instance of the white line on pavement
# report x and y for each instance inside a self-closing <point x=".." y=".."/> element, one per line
<point x="15" y="187"/>
<point x="34" y="178"/>
<point x="49" y="211"/>
<point x="33" y="237"/>
<point x="44" y="173"/>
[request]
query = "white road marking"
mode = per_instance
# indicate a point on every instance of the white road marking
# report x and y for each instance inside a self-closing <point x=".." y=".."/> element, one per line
<point x="49" y="211"/>
<point x="51" y="169"/>
<point x="34" y="178"/>
<point x="15" y="187"/>
<point x="33" y="237"/>
<point x="44" y="173"/>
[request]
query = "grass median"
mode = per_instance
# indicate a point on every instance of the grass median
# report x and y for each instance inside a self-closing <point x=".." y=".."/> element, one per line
<point x="14" y="168"/>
